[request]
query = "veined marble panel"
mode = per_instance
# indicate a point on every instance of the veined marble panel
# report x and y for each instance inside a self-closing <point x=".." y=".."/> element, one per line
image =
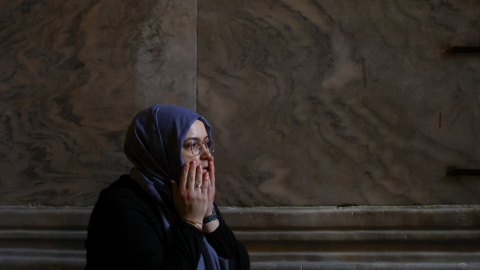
<point x="72" y="76"/>
<point x="341" y="102"/>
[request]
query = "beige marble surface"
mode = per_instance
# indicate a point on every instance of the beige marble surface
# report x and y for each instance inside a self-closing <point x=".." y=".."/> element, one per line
<point x="341" y="102"/>
<point x="313" y="102"/>
<point x="72" y="76"/>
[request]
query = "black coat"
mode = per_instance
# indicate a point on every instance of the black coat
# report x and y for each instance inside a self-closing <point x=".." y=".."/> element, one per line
<point x="125" y="232"/>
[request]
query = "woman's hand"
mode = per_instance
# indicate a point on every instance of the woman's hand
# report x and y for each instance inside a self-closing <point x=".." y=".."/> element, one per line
<point x="213" y="225"/>
<point x="211" y="186"/>
<point x="191" y="194"/>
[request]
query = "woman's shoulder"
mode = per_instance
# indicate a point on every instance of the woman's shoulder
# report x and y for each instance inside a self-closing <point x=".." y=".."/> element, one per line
<point x="124" y="182"/>
<point x="123" y="192"/>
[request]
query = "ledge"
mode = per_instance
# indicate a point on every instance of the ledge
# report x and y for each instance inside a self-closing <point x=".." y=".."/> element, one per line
<point x="426" y="237"/>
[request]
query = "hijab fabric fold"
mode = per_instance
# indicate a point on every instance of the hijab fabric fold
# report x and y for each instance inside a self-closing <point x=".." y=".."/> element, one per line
<point x="153" y="144"/>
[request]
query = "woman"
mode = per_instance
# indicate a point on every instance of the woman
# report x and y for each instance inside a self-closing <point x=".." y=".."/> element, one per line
<point x="162" y="215"/>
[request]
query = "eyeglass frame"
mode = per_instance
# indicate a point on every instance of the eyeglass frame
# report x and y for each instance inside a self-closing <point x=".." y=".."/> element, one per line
<point x="201" y="145"/>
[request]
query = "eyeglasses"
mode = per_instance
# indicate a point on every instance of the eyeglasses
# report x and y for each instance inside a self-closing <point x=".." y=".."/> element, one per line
<point x="196" y="146"/>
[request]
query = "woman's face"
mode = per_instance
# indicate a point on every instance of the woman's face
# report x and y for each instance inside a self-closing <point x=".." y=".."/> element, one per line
<point x="196" y="136"/>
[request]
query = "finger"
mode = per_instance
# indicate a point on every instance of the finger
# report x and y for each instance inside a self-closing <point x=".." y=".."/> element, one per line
<point x="191" y="175"/>
<point x="183" y="176"/>
<point x="211" y="170"/>
<point x="206" y="181"/>
<point x="199" y="175"/>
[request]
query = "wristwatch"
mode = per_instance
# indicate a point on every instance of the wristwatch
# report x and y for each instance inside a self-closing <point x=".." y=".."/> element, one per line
<point x="210" y="218"/>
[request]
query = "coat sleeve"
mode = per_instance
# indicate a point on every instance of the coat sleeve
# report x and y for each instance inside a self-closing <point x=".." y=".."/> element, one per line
<point x="227" y="246"/>
<point x="124" y="234"/>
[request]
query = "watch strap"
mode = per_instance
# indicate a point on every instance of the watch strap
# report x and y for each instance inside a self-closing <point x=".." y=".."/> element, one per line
<point x="210" y="218"/>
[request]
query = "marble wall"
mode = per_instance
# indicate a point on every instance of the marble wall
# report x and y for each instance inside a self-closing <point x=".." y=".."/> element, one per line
<point x="341" y="102"/>
<point x="72" y="76"/>
<point x="312" y="102"/>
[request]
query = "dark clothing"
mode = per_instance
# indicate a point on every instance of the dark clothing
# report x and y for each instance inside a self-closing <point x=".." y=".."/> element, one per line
<point x="126" y="232"/>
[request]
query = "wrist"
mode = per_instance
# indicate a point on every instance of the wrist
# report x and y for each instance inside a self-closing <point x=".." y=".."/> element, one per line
<point x="211" y="217"/>
<point x="194" y="223"/>
<point x="211" y="226"/>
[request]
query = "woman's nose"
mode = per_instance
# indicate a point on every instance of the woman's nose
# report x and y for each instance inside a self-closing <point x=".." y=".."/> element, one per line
<point x="206" y="153"/>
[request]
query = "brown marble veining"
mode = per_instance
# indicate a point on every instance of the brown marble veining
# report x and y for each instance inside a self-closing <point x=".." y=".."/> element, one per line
<point x="341" y="102"/>
<point x="313" y="102"/>
<point x="72" y="76"/>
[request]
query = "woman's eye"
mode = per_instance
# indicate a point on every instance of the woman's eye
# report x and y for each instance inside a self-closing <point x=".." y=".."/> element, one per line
<point x="193" y="144"/>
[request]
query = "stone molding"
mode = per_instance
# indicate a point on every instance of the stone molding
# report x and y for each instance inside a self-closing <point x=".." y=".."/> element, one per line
<point x="360" y="237"/>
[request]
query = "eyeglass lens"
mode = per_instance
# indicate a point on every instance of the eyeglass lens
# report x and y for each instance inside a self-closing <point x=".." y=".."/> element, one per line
<point x="197" y="147"/>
